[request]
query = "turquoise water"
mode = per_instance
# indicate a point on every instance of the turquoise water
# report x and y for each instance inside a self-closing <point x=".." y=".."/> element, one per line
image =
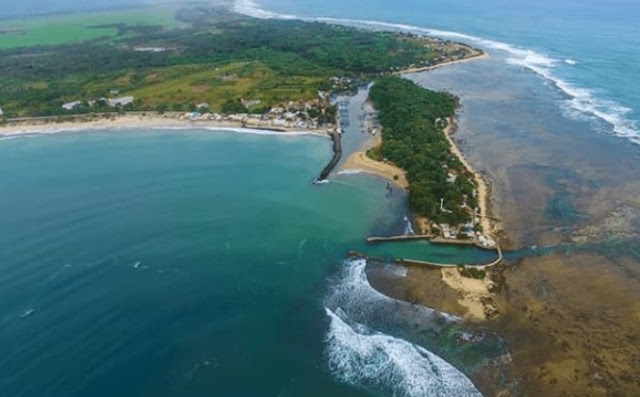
<point x="197" y="263"/>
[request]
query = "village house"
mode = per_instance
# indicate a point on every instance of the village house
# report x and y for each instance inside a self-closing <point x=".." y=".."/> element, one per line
<point x="71" y="105"/>
<point x="122" y="101"/>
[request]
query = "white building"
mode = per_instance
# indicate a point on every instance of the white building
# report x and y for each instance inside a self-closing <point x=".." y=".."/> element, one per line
<point x="122" y="101"/>
<point x="71" y="105"/>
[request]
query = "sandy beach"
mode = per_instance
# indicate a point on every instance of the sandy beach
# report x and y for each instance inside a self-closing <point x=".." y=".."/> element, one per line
<point x="476" y="57"/>
<point x="489" y="225"/>
<point x="134" y="121"/>
<point x="359" y="161"/>
<point x="472" y="293"/>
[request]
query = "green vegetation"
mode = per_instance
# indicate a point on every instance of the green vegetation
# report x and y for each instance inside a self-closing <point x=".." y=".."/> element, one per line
<point x="222" y="58"/>
<point x="411" y="140"/>
<point x="472" y="272"/>
<point x="49" y="30"/>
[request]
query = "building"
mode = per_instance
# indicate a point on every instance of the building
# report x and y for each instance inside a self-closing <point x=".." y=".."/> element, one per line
<point x="71" y="105"/>
<point x="122" y="101"/>
<point x="1" y="112"/>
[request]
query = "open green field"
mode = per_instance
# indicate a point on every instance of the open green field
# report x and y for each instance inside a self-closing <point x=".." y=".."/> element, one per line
<point x="196" y="83"/>
<point x="61" y="29"/>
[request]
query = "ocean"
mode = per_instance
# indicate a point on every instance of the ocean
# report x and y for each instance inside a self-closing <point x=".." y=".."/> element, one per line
<point x="586" y="49"/>
<point x="198" y="263"/>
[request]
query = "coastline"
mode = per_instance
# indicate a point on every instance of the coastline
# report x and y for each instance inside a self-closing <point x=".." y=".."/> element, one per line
<point x="489" y="225"/>
<point x="479" y="55"/>
<point x="137" y="121"/>
<point x="358" y="161"/>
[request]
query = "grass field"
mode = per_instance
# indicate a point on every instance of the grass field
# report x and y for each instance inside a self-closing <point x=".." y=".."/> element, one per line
<point x="216" y="85"/>
<point x="60" y="29"/>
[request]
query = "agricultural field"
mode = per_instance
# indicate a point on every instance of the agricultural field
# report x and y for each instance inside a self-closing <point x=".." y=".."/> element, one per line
<point x="217" y="85"/>
<point x="62" y="29"/>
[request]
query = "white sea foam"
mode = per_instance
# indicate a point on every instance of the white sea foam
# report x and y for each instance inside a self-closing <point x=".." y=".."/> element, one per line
<point x="353" y="293"/>
<point x="44" y="131"/>
<point x="409" y="227"/>
<point x="581" y="100"/>
<point x="570" y="62"/>
<point x="250" y="8"/>
<point x="353" y="171"/>
<point x="361" y="357"/>
<point x="27" y="313"/>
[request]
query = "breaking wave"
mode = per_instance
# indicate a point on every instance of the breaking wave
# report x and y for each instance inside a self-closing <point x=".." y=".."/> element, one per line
<point x="581" y="101"/>
<point x="361" y="356"/>
<point x="352" y="171"/>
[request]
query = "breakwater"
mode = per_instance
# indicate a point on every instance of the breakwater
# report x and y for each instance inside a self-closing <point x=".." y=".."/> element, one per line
<point x="336" y="138"/>
<point x="376" y="240"/>
<point x="433" y="240"/>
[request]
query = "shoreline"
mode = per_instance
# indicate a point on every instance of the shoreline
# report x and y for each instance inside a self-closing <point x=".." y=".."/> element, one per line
<point x="490" y="226"/>
<point x="481" y="54"/>
<point x="139" y="121"/>
<point x="358" y="161"/>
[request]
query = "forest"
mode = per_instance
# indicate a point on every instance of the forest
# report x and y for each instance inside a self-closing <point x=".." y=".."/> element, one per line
<point x="218" y="57"/>
<point x="412" y="120"/>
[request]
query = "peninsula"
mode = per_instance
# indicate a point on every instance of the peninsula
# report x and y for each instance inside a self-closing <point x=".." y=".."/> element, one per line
<point x="414" y="150"/>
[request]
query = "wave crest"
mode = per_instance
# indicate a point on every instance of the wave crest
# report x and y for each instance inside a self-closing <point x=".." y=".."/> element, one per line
<point x="358" y="355"/>
<point x="581" y="102"/>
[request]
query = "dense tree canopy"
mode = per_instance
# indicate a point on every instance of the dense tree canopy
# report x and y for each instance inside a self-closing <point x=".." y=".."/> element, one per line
<point x="412" y="140"/>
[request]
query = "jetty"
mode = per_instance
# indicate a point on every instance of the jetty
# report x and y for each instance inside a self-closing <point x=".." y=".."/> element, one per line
<point x="432" y="240"/>
<point x="336" y="138"/>
<point x="408" y="237"/>
<point x="413" y="262"/>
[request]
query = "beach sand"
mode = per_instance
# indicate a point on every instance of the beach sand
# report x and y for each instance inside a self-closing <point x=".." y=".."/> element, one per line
<point x="359" y="161"/>
<point x="490" y="226"/>
<point x="474" y="57"/>
<point x="472" y="293"/>
<point x="131" y="121"/>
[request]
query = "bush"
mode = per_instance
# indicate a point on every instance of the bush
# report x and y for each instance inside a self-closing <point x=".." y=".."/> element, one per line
<point x="472" y="272"/>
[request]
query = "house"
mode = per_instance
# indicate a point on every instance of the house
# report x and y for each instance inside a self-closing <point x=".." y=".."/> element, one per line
<point x="250" y="102"/>
<point x="149" y="49"/>
<point x="122" y="101"/>
<point x="280" y="122"/>
<point x="71" y="105"/>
